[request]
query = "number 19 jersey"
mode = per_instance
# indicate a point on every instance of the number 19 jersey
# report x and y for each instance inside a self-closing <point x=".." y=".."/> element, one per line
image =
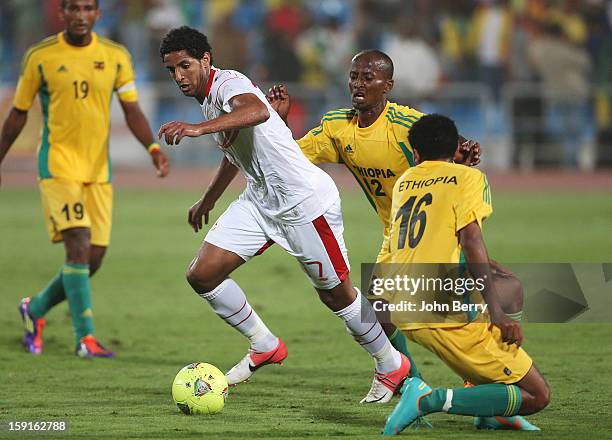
<point x="432" y="202"/>
<point x="75" y="86"/>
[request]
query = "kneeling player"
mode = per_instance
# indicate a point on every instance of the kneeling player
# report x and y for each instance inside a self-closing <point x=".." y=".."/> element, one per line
<point x="447" y="214"/>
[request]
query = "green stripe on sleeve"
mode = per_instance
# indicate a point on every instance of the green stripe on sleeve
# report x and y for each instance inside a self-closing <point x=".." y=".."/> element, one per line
<point x="363" y="188"/>
<point x="43" y="152"/>
<point x="408" y="154"/>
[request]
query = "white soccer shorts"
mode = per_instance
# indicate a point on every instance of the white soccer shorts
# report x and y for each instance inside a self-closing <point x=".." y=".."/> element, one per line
<point x="318" y="246"/>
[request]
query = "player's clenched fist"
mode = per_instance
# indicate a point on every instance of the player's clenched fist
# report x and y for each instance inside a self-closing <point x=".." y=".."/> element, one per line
<point x="511" y="330"/>
<point x="174" y="131"/>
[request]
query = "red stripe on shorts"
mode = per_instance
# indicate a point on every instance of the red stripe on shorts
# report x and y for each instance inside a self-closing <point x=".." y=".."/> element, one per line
<point x="331" y="246"/>
<point x="262" y="249"/>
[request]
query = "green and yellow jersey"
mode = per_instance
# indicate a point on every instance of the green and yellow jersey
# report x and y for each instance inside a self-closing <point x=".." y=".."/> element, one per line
<point x="376" y="155"/>
<point x="75" y="86"/>
<point x="432" y="202"/>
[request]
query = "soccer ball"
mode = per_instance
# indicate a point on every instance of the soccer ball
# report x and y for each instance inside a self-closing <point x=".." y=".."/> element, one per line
<point x="200" y="388"/>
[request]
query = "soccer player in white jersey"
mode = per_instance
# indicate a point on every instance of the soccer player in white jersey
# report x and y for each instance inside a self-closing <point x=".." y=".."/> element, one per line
<point x="287" y="201"/>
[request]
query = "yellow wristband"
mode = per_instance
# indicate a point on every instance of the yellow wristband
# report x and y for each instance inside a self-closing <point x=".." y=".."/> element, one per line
<point x="154" y="148"/>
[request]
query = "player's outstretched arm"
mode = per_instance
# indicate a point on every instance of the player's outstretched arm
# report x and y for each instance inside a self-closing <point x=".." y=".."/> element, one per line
<point x="225" y="174"/>
<point x="139" y="126"/>
<point x="477" y="259"/>
<point x="247" y="110"/>
<point x="11" y="128"/>
<point x="279" y="99"/>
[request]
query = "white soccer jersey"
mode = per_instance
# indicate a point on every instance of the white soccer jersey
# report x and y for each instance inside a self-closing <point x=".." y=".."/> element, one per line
<point x="281" y="182"/>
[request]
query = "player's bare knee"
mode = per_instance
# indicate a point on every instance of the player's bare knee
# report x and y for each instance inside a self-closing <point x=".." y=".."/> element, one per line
<point x="201" y="278"/>
<point x="542" y="397"/>
<point x="96" y="256"/>
<point x="327" y="298"/>
<point x="77" y="244"/>
<point x="338" y="297"/>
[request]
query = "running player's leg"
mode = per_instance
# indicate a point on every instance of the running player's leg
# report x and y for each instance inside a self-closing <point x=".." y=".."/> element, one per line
<point x="233" y="240"/>
<point x="75" y="280"/>
<point x="64" y="207"/>
<point x="319" y="247"/>
<point x="396" y="337"/>
<point x="97" y="202"/>
<point x="85" y="248"/>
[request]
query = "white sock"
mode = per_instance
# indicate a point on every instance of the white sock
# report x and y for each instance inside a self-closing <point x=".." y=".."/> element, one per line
<point x="362" y="324"/>
<point x="230" y="304"/>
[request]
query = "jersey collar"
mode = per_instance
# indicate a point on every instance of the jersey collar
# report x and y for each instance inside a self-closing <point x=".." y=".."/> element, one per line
<point x="375" y="124"/>
<point x="63" y="42"/>
<point x="210" y="81"/>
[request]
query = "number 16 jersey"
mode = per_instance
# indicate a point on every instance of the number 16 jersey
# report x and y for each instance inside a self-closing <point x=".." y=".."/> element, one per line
<point x="432" y="202"/>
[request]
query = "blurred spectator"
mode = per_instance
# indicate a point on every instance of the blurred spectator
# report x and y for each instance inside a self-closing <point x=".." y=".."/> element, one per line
<point x="286" y="20"/>
<point x="52" y="18"/>
<point x="417" y="70"/>
<point x="489" y="41"/>
<point x="568" y="16"/>
<point x="369" y="24"/>
<point x="601" y="31"/>
<point x="564" y="69"/>
<point x="7" y="42"/>
<point x="249" y="17"/>
<point x="281" y="64"/>
<point x="230" y="46"/>
<point x="325" y="51"/>
<point x="452" y="25"/>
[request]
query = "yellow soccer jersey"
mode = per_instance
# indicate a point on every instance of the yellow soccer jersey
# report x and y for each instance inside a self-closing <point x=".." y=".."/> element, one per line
<point x="432" y="202"/>
<point x="376" y="155"/>
<point x="75" y="86"/>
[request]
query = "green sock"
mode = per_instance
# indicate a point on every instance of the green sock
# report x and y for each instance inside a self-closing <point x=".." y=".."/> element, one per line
<point x="488" y="400"/>
<point x="518" y="316"/>
<point x="399" y="341"/>
<point x="51" y="295"/>
<point x="75" y="278"/>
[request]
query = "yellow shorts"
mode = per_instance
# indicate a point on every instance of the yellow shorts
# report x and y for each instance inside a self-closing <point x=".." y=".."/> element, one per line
<point x="475" y="352"/>
<point x="70" y="204"/>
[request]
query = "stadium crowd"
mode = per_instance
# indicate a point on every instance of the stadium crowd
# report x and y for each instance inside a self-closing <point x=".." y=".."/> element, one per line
<point x="563" y="45"/>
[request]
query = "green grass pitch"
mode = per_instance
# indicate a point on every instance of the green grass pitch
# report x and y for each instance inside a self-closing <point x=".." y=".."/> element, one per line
<point x="145" y="310"/>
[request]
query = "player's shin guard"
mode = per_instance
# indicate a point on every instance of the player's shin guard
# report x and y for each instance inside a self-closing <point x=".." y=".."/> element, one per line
<point x="75" y="279"/>
<point x="230" y="304"/>
<point x="361" y="322"/>
<point x="481" y="400"/>
<point x="49" y="297"/>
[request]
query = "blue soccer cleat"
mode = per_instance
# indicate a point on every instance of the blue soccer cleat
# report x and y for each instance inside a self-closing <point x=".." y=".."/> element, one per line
<point x="33" y="328"/>
<point x="515" y="423"/>
<point x="407" y="410"/>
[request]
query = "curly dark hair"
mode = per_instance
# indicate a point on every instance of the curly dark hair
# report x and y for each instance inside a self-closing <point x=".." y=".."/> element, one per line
<point x="434" y="137"/>
<point x="188" y="39"/>
<point x="65" y="4"/>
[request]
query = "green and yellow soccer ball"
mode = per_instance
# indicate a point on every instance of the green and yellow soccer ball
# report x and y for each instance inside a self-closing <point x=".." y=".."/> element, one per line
<point x="200" y="388"/>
